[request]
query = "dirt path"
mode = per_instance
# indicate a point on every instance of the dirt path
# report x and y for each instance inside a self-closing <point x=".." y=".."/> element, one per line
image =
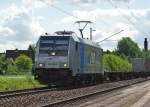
<point x="134" y="96"/>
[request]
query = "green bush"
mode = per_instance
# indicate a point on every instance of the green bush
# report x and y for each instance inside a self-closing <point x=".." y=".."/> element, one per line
<point x="12" y="70"/>
<point x="24" y="63"/>
<point x="146" y="55"/>
<point x="3" y="64"/>
<point x="114" y="63"/>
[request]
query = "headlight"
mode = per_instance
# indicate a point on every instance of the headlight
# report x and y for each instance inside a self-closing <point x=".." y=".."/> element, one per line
<point x="53" y="53"/>
<point x="65" y="65"/>
<point x="41" y="65"/>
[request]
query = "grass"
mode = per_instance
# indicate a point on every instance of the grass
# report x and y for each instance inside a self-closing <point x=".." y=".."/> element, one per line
<point x="18" y="82"/>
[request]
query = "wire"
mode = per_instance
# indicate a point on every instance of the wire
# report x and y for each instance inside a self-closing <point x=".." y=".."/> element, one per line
<point x="111" y="40"/>
<point x="137" y="19"/>
<point x="67" y="13"/>
<point x="110" y="36"/>
<point x="61" y="10"/>
<point x="129" y="19"/>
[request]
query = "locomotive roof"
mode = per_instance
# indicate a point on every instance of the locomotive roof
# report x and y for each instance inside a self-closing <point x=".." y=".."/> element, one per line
<point x="85" y="41"/>
<point x="77" y="39"/>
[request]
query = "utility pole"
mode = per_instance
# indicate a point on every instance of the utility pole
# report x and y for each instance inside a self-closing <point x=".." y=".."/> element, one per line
<point x="91" y="31"/>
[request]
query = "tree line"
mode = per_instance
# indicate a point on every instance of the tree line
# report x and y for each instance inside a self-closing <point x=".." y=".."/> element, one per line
<point x="21" y="65"/>
<point x="121" y="58"/>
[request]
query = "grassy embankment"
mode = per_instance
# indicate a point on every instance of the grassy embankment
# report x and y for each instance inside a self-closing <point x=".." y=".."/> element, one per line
<point x="10" y="83"/>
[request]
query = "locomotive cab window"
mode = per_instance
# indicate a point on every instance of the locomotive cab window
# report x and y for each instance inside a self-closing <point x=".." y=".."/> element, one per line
<point x="62" y="42"/>
<point x="54" y="46"/>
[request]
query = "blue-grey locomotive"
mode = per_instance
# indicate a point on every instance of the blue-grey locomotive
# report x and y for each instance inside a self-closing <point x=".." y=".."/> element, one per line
<point x="65" y="57"/>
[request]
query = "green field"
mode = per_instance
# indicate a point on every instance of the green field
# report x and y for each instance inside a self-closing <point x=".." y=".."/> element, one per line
<point x="10" y="83"/>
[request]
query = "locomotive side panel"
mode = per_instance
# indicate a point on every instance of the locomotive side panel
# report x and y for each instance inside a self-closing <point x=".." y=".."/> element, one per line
<point x="85" y="57"/>
<point x="90" y="59"/>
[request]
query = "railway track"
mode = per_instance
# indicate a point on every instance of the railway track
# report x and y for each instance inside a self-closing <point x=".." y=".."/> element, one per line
<point x="78" y="98"/>
<point x="44" y="97"/>
<point x="16" y="93"/>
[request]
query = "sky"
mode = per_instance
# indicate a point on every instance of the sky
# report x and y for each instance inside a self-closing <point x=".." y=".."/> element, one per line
<point x="23" y="21"/>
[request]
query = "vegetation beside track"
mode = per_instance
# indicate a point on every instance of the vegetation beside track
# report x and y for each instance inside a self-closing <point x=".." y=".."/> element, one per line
<point x="115" y="63"/>
<point x="11" y="83"/>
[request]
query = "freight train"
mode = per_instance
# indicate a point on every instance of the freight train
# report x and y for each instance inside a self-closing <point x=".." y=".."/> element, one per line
<point x="66" y="58"/>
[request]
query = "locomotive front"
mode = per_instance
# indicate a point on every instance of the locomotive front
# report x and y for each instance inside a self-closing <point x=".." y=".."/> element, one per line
<point x="51" y="59"/>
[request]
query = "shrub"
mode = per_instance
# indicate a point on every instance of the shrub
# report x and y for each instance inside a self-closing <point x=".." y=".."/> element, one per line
<point x="115" y="63"/>
<point x="12" y="70"/>
<point x="3" y="64"/>
<point x="24" y="63"/>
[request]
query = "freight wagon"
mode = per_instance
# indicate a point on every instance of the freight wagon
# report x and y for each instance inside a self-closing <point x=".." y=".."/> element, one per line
<point x="65" y="58"/>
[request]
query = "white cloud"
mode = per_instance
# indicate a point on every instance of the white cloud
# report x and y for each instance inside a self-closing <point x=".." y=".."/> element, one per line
<point x="36" y="27"/>
<point x="37" y="3"/>
<point x="84" y="1"/>
<point x="5" y="31"/>
<point x="94" y="1"/>
<point x="124" y="0"/>
<point x="18" y="27"/>
<point x="5" y="46"/>
<point x="110" y="21"/>
<point x="105" y="14"/>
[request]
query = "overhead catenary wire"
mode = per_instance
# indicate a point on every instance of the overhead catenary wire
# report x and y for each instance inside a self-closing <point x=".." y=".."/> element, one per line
<point x="126" y="17"/>
<point x="137" y="19"/>
<point x="111" y="40"/>
<point x="80" y="19"/>
<point x="67" y="13"/>
<point x="61" y="10"/>
<point x="110" y="36"/>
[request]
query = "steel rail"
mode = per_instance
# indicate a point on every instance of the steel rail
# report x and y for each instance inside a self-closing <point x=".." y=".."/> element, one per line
<point x="23" y="92"/>
<point x="69" y="100"/>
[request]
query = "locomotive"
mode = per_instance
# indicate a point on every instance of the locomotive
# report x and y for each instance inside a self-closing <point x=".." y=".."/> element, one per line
<point x="65" y="57"/>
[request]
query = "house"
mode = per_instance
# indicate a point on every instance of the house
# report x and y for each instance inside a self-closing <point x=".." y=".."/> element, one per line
<point x="13" y="54"/>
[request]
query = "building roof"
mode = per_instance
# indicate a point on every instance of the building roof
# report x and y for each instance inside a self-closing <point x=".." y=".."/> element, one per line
<point x="15" y="53"/>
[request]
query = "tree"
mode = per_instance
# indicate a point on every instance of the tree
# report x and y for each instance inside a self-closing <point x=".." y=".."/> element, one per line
<point x="12" y="68"/>
<point x="32" y="49"/>
<point x="24" y="63"/>
<point x="127" y="47"/>
<point x="3" y="64"/>
<point x="146" y="54"/>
